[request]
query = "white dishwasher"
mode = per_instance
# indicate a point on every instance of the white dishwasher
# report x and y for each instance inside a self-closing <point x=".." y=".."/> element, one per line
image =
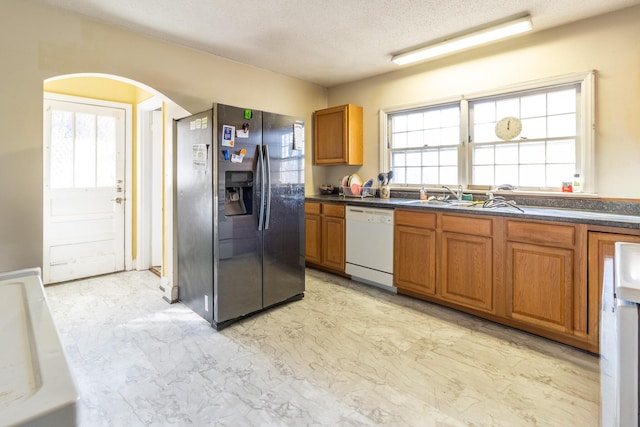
<point x="369" y="246"/>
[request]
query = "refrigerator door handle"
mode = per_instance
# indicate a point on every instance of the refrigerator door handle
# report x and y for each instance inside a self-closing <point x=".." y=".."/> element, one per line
<point x="260" y="164"/>
<point x="268" y="173"/>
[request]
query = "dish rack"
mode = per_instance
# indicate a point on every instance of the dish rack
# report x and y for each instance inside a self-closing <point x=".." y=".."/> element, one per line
<point x="365" y="192"/>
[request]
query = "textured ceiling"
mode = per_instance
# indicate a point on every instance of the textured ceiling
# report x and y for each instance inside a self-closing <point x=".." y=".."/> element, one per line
<point x="328" y="42"/>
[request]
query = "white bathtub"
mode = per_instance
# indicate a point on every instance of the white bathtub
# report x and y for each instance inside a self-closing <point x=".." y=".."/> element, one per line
<point x="36" y="386"/>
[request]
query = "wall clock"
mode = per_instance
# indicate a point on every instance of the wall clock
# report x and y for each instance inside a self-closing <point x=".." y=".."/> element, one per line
<point x="508" y="128"/>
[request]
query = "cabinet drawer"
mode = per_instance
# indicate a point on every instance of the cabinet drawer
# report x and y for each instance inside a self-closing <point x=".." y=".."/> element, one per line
<point x="415" y="219"/>
<point x="545" y="234"/>
<point x="467" y="225"/>
<point x="312" y="208"/>
<point x="333" y="210"/>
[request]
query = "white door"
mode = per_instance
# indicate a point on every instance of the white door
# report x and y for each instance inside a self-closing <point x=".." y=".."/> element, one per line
<point x="84" y="190"/>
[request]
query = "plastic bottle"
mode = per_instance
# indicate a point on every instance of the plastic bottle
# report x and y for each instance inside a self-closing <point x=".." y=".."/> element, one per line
<point x="577" y="183"/>
<point x="423" y="194"/>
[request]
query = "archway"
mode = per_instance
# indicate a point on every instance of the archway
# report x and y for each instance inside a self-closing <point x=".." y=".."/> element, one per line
<point x="147" y="230"/>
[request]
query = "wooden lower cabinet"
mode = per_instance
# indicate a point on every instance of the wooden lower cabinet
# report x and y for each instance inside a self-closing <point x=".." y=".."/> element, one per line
<point x="540" y="285"/>
<point x="414" y="260"/>
<point x="325" y="236"/>
<point x="333" y="243"/>
<point x="466" y="263"/>
<point x="543" y="277"/>
<point x="467" y="273"/>
<point x="546" y="280"/>
<point x="444" y="258"/>
<point x="313" y="240"/>
<point x="539" y="276"/>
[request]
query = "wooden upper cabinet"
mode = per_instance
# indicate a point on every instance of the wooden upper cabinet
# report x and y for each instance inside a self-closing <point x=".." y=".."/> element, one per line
<point x="337" y="136"/>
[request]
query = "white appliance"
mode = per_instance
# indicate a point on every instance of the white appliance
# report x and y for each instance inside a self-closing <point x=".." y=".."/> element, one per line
<point x="369" y="246"/>
<point x="619" y="338"/>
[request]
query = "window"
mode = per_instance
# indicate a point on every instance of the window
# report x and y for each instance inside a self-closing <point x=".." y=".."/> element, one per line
<point x="83" y="149"/>
<point x="425" y="145"/>
<point x="455" y="142"/>
<point x="543" y="155"/>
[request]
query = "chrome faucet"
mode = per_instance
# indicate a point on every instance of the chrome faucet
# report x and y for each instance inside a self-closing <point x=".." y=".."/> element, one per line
<point x="456" y="194"/>
<point x="501" y="187"/>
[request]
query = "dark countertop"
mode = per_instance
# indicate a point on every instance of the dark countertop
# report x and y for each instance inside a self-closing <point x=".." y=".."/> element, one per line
<point x="576" y="216"/>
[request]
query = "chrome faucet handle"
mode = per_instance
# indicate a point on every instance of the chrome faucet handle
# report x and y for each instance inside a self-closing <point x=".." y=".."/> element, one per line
<point x="456" y="194"/>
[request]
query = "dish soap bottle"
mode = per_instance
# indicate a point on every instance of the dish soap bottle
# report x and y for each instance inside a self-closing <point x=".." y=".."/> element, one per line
<point x="423" y="194"/>
<point x="577" y="183"/>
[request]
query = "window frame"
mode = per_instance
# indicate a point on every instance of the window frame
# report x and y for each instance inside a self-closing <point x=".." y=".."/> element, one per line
<point x="585" y="132"/>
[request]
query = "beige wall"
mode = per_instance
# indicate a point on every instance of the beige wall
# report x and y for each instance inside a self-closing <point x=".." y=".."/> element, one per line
<point x="608" y="44"/>
<point x="38" y="42"/>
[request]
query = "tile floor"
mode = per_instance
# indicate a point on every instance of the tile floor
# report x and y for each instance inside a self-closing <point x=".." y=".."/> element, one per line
<point x="346" y="355"/>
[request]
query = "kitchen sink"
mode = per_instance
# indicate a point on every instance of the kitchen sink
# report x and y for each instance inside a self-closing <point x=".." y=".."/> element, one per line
<point x="439" y="202"/>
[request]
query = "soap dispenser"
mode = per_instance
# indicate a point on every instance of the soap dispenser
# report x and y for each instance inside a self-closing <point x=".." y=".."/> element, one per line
<point x="577" y="183"/>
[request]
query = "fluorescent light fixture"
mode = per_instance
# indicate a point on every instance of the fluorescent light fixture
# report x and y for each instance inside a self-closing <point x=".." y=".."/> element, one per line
<point x="456" y="44"/>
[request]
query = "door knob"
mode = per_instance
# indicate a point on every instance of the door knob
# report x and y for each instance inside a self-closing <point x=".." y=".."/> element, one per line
<point x="118" y="199"/>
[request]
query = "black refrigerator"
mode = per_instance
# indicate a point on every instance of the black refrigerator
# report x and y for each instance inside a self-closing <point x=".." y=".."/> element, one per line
<point x="240" y="212"/>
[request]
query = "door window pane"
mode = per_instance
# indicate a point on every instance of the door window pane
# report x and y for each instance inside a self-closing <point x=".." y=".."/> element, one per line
<point x="83" y="150"/>
<point x="61" y="168"/>
<point x="106" y="152"/>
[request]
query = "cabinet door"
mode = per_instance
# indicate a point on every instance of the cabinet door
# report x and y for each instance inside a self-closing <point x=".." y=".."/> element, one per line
<point x="330" y="136"/>
<point x="467" y="270"/>
<point x="414" y="259"/>
<point x="333" y="244"/>
<point x="338" y="136"/>
<point x="313" y="238"/>
<point x="540" y="285"/>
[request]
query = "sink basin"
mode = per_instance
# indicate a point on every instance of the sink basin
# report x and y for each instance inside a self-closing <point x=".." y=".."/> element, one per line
<point x="438" y="202"/>
<point x="627" y="271"/>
